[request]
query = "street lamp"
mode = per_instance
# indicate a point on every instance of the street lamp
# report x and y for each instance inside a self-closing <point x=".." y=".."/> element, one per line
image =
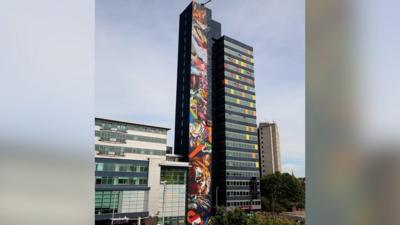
<point x="164" y="183"/>
<point x="216" y="196"/>
<point x="112" y="217"/>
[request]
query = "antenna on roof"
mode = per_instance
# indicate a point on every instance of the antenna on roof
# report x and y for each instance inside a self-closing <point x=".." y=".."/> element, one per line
<point x="203" y="4"/>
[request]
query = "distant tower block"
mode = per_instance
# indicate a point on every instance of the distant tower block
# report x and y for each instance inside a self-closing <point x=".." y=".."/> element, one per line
<point x="269" y="145"/>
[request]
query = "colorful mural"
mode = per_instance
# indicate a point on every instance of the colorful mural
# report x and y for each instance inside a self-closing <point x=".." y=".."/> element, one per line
<point x="200" y="126"/>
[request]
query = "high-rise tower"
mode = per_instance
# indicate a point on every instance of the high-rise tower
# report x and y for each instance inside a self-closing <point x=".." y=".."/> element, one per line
<point x="215" y="91"/>
<point x="193" y="121"/>
<point x="235" y="127"/>
<point x="270" y="153"/>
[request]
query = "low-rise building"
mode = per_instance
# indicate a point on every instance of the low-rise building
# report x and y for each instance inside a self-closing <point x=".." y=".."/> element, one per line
<point x="135" y="177"/>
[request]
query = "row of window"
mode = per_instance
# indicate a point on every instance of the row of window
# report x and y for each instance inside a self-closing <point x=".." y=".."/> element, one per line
<point x="106" y="202"/>
<point x="241" y="154"/>
<point x="238" y="70"/>
<point x="238" y="62"/>
<point x="141" y="181"/>
<point x="172" y="220"/>
<point x="120" y="167"/>
<point x="122" y="127"/>
<point x="113" y="126"/>
<point x="238" y="193"/>
<point x="244" y="119"/>
<point x="244" y="203"/>
<point x="240" y="127"/>
<point x="241" y="136"/>
<point x="240" y="110"/>
<point x="134" y="201"/>
<point x="240" y="93"/>
<point x="242" y="173"/>
<point x="118" y="149"/>
<point x="241" y="163"/>
<point x="173" y="175"/>
<point x="106" y="135"/>
<point x="239" y="85"/>
<point x="239" y="101"/>
<point x="237" y="47"/>
<point x="239" y="77"/>
<point x="236" y="144"/>
<point x="239" y="117"/>
<point x="239" y="183"/>
<point x="239" y="55"/>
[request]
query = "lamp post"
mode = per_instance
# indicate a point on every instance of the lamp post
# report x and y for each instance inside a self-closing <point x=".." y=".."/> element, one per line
<point x="216" y="196"/>
<point x="112" y="217"/>
<point x="164" y="183"/>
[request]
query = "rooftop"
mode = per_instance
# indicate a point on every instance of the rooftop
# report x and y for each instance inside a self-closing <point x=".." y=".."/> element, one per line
<point x="137" y="124"/>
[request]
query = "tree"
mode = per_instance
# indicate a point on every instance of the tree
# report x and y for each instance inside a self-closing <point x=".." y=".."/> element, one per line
<point x="219" y="217"/>
<point x="236" y="217"/>
<point x="281" y="191"/>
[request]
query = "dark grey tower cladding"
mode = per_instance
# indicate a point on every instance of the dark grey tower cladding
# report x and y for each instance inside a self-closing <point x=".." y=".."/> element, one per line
<point x="235" y="143"/>
<point x="183" y="78"/>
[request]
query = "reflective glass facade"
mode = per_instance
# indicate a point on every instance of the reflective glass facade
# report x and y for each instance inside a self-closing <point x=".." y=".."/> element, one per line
<point x="175" y="195"/>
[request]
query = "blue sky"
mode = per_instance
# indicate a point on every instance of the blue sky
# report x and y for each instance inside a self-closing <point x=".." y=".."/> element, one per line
<point x="136" y="62"/>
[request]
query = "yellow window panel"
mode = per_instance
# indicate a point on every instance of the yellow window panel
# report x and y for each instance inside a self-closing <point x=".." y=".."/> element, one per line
<point x="252" y="60"/>
<point x="247" y="137"/>
<point x="257" y="166"/>
<point x="242" y="71"/>
<point x="251" y="104"/>
<point x="246" y="111"/>
<point x="238" y="101"/>
<point x="245" y="87"/>
<point x="254" y="97"/>
<point x="255" y="147"/>
<point x="237" y="77"/>
<point x="232" y="91"/>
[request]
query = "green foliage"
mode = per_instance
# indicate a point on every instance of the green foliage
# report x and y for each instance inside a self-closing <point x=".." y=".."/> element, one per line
<point x="238" y="217"/>
<point x="265" y="204"/>
<point x="219" y="217"/>
<point x="281" y="192"/>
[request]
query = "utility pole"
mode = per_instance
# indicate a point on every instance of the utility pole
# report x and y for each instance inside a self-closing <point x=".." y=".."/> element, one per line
<point x="164" y="183"/>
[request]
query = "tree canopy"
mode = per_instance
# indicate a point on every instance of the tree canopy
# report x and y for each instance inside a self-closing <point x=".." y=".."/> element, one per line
<point x="281" y="192"/>
<point x="238" y="217"/>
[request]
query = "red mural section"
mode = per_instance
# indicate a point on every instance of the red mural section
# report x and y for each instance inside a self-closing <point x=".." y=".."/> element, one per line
<point x="200" y="126"/>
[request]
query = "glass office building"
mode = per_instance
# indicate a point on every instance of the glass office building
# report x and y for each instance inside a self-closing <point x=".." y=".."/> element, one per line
<point x="131" y="163"/>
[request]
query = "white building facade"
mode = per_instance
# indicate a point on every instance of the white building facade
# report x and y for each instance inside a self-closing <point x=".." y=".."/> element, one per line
<point x="131" y="163"/>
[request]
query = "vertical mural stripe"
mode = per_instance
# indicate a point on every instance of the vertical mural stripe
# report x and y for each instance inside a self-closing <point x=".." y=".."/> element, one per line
<point x="200" y="126"/>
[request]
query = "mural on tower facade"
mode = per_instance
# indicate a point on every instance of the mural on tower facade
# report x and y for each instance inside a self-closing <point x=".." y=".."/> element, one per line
<point x="200" y="126"/>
